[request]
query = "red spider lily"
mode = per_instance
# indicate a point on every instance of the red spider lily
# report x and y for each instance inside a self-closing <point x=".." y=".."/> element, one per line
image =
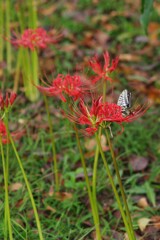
<point x="64" y="86"/>
<point x="103" y="72"/>
<point x="35" y="38"/>
<point x="7" y="100"/>
<point x="3" y="133"/>
<point x="101" y="113"/>
<point x="111" y="112"/>
<point x="91" y="117"/>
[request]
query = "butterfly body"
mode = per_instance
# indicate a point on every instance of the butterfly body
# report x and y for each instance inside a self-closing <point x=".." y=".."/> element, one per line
<point x="124" y="101"/>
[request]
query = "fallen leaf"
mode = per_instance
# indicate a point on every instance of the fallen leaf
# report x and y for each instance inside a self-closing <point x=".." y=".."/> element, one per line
<point x="138" y="163"/>
<point x="99" y="18"/>
<point x="103" y="143"/>
<point x="141" y="39"/>
<point x="69" y="47"/>
<point x="62" y="196"/>
<point x="93" y="235"/>
<point x="19" y="203"/>
<point x="91" y="143"/>
<point x="101" y="37"/>
<point x="49" y="10"/>
<point x="142" y="203"/>
<point x="142" y="223"/>
<point x="15" y="186"/>
<point x="30" y="214"/>
<point x="157" y="7"/>
<point x="87" y="223"/>
<point x="20" y="222"/>
<point x="156" y="222"/>
<point x="126" y="236"/>
<point x="49" y="208"/>
<point x="48" y="65"/>
<point x="153" y="33"/>
<point x="81" y="175"/>
<point x="51" y="191"/>
<point x="153" y="94"/>
<point x="129" y="57"/>
<point x="89" y="154"/>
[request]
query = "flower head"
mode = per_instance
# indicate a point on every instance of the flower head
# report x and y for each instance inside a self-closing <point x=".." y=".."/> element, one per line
<point x="7" y="100"/>
<point x="35" y="38"/>
<point x="103" y="71"/>
<point x="90" y="116"/>
<point x="64" y="86"/>
<point x="111" y="112"/>
<point x="103" y="114"/>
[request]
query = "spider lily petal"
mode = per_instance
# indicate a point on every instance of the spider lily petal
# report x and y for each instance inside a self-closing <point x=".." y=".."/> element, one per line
<point x="103" y="71"/>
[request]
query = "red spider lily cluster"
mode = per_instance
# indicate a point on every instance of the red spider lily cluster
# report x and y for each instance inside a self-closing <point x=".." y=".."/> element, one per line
<point x="64" y="86"/>
<point x="35" y="38"/>
<point x="7" y="100"/>
<point x="102" y="71"/>
<point x="102" y="114"/>
<point x="99" y="114"/>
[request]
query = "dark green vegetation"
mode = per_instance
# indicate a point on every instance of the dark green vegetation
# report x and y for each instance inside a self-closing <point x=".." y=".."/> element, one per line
<point x="89" y="27"/>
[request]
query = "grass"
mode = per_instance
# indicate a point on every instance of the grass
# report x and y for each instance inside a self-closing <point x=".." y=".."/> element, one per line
<point x="69" y="218"/>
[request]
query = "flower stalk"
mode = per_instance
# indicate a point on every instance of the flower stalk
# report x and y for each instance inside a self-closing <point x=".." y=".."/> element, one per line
<point x="55" y="165"/>
<point x="1" y="30"/>
<point x="32" y="13"/>
<point x="121" y="186"/>
<point x="28" y="188"/>
<point x="94" y="181"/>
<point x="8" y="33"/>
<point x="34" y="70"/>
<point x="7" y="218"/>
<point x="18" y="70"/>
<point x="92" y="202"/>
<point x="114" y="189"/>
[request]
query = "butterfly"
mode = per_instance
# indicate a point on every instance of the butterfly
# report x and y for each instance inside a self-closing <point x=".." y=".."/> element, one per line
<point x="124" y="101"/>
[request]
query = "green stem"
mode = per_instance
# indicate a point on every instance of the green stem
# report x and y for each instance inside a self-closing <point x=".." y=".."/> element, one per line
<point x="94" y="178"/>
<point x="30" y="73"/>
<point x="17" y="71"/>
<point x="93" y="206"/>
<point x="121" y="185"/>
<point x="32" y="14"/>
<point x="104" y="90"/>
<point x="114" y="188"/>
<point x="7" y="217"/>
<point x="8" y="33"/>
<point x="7" y="175"/>
<point x="28" y="188"/>
<point x="26" y="69"/>
<point x="34" y="78"/>
<point x="1" y="30"/>
<point x="22" y="17"/>
<point x="55" y="165"/>
<point x="7" y="147"/>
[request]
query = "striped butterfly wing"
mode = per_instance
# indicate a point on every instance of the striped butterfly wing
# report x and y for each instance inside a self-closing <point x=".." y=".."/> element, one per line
<point x="124" y="101"/>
